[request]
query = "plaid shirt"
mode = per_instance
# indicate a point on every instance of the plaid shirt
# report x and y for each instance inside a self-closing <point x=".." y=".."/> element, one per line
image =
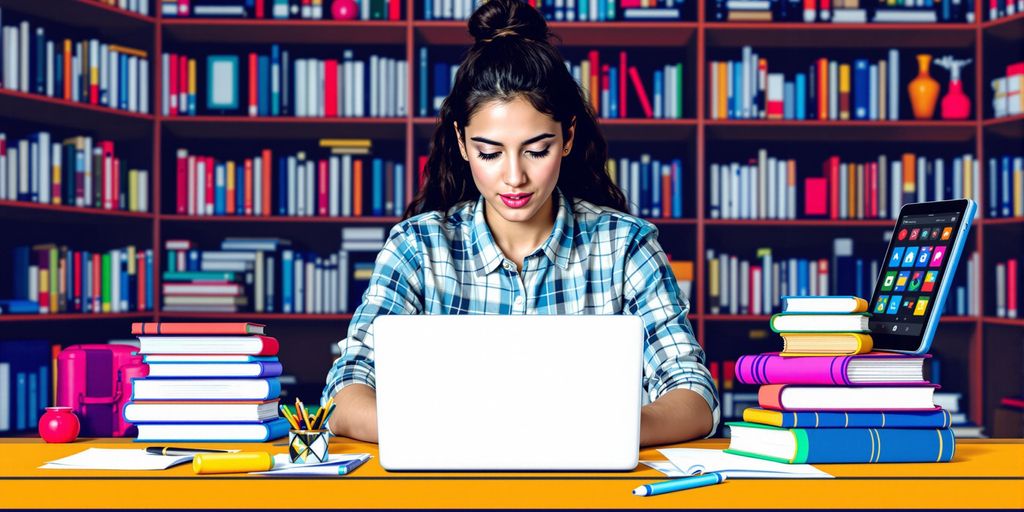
<point x="597" y="261"/>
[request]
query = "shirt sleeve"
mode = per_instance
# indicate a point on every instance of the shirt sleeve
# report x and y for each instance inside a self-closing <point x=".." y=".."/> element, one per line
<point x="395" y="288"/>
<point x="672" y="357"/>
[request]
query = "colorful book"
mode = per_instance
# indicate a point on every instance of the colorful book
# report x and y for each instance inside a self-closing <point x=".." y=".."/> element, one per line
<point x="197" y="328"/>
<point x="210" y="432"/>
<point x="203" y="358"/>
<point x="201" y="412"/>
<point x="258" y="369"/>
<point x="787" y="397"/>
<point x="874" y="368"/>
<point x="243" y="345"/>
<point x="825" y="343"/>
<point x="205" y="389"/>
<point x="841" y="445"/>
<point x="823" y="304"/>
<point x="864" y="419"/>
<point x="806" y="322"/>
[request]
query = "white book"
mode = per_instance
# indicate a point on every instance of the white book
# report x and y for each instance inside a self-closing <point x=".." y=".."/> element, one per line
<point x="115" y="280"/>
<point x="883" y="190"/>
<point x="746" y="80"/>
<point x="922" y="165"/>
<point x="314" y="280"/>
<point x="115" y="78"/>
<point x="24" y="46"/>
<point x="350" y="82"/>
<point x="133" y="83"/>
<point x="45" y="171"/>
<point x="311" y="194"/>
<point x="49" y="68"/>
<point x="259" y="290"/>
<point x="360" y="89"/>
<point x="257" y="186"/>
<point x="103" y="68"/>
<point x="300" y="88"/>
<point x="203" y="389"/>
<point x="790" y="192"/>
<point x="844" y="206"/>
<point x="833" y="90"/>
<point x="712" y="93"/>
<point x="873" y="92"/>
<point x="201" y="187"/>
<point x="940" y="171"/>
<point x="5" y="397"/>
<point x="321" y="87"/>
<point x="24" y="179"/>
<point x="343" y="276"/>
<point x="894" y="84"/>
<point x="734" y="285"/>
<point x="292" y="200"/>
<point x="374" y="81"/>
<point x="346" y="185"/>
<point x="402" y="73"/>
<point x="334" y="172"/>
<point x="1001" y="309"/>
<point x="214" y="412"/>
<point x="143" y="82"/>
<point x="300" y="185"/>
<point x="896" y="188"/>
<point x="313" y="88"/>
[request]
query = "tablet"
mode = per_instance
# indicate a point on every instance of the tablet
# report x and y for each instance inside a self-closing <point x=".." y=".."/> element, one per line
<point x="919" y="267"/>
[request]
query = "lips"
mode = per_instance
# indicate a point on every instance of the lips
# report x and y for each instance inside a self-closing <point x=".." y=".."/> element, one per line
<point x="516" y="200"/>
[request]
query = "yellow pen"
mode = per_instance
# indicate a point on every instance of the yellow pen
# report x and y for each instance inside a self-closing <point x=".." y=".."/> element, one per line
<point x="288" y="416"/>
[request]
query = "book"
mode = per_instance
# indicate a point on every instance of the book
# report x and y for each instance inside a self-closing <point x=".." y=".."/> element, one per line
<point x="864" y="419"/>
<point x="788" y="397"/>
<point x="823" y="304"/>
<point x="201" y="412"/>
<point x="257" y="345"/>
<point x="874" y="368"/>
<point x="205" y="389"/>
<point x="256" y="369"/>
<point x="841" y="445"/>
<point x="220" y="432"/>
<point x="825" y="344"/>
<point x="196" y="328"/>
<point x="203" y="358"/>
<point x="811" y="323"/>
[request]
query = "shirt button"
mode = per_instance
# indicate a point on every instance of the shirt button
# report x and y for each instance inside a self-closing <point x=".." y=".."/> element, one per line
<point x="508" y="266"/>
<point x="519" y="300"/>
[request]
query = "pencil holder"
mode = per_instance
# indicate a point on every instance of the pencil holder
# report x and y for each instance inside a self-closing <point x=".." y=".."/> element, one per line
<point x="307" y="446"/>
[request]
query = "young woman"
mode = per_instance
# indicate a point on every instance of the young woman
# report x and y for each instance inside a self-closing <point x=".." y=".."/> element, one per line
<point x="518" y="216"/>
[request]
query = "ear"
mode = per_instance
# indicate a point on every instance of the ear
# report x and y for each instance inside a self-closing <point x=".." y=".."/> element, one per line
<point x="567" y="147"/>
<point x="462" y="145"/>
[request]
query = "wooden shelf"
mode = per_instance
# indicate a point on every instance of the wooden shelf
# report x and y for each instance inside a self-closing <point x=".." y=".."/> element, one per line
<point x="284" y="127"/>
<point x="1011" y="127"/>
<point x="1013" y="322"/>
<point x="230" y="219"/>
<point x="840" y="35"/>
<point x="619" y="34"/>
<point x="875" y="131"/>
<point x="77" y="316"/>
<point x="853" y="223"/>
<point x="38" y="210"/>
<point x="1010" y="28"/>
<point x="257" y="316"/>
<point x="37" y="108"/>
<point x="82" y="13"/>
<point x="304" y="32"/>
<point x="1004" y="221"/>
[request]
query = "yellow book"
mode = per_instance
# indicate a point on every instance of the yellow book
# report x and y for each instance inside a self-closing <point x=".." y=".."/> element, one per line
<point x="1018" y="184"/>
<point x="346" y="143"/>
<point x="844" y="89"/>
<point x="192" y="78"/>
<point x="723" y="91"/>
<point x="44" y="287"/>
<point x="55" y="178"/>
<point x="128" y="51"/>
<point x="133" y="185"/>
<point x="612" y="174"/>
<point x="968" y="176"/>
<point x="825" y="344"/>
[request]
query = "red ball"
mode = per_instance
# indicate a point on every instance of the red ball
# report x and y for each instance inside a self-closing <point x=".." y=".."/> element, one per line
<point x="59" y="425"/>
<point x="344" y="10"/>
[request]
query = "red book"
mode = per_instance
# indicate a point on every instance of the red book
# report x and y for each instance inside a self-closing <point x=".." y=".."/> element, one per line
<point x="97" y="282"/>
<point x="181" y="178"/>
<point x="833" y="184"/>
<point x="623" y="69"/>
<point x="422" y="175"/>
<point x="666" y="192"/>
<point x="197" y="328"/>
<point x="728" y="374"/>
<point x="825" y="9"/>
<point x="815" y="194"/>
<point x="247" y="207"/>
<point x="109" y="191"/>
<point x="140" y="271"/>
<point x="823" y="79"/>
<point x="593" y="87"/>
<point x="253" y="96"/>
<point x="77" y="276"/>
<point x="210" y="176"/>
<point x="43" y="263"/>
<point x="394" y="10"/>
<point x="116" y="179"/>
<point x="605" y="84"/>
<point x="1015" y="402"/>
<point x="183" y="85"/>
<point x="809" y="11"/>
<point x="640" y="92"/>
<point x="172" y="86"/>
<point x="331" y="86"/>
<point x="873" y="188"/>
<point x="357" y="187"/>
<point x="1011" y="291"/>
<point x="261" y="9"/>
<point x="322" y="187"/>
<point x="268" y="166"/>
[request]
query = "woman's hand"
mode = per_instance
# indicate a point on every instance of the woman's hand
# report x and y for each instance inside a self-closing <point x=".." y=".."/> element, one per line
<point x="677" y="416"/>
<point x="355" y="413"/>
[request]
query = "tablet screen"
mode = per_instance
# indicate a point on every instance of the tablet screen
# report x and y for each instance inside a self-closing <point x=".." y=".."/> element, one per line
<point x="907" y="289"/>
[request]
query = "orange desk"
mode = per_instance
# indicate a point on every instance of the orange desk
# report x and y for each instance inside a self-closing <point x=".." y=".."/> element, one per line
<point x="984" y="474"/>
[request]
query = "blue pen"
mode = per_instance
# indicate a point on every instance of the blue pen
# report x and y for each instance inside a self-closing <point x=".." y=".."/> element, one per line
<point x="679" y="484"/>
<point x="350" y="466"/>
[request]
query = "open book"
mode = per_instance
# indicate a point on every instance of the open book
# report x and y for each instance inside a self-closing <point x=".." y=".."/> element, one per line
<point x="693" y="461"/>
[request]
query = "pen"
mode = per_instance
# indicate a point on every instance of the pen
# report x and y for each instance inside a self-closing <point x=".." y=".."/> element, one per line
<point x="171" y="450"/>
<point x="679" y="484"/>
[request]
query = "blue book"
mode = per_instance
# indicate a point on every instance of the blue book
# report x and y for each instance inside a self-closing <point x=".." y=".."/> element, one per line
<point x="377" y="206"/>
<point x="1007" y="187"/>
<point x="677" y="188"/>
<point x="20" y="401"/>
<point x="422" y="92"/>
<point x="656" y="189"/>
<point x="275" y="95"/>
<point x="802" y="277"/>
<point x="287" y="273"/>
<point x="861" y="89"/>
<point x="859" y="283"/>
<point x="263" y="87"/>
<point x="213" y="432"/>
<point x="428" y="9"/>
<point x="842" y="445"/>
<point x="239" y="189"/>
<point x="788" y="100"/>
<point x="853" y="419"/>
<point x="21" y="255"/>
<point x="39" y="61"/>
<point x="282" y="186"/>
<point x="737" y="91"/>
<point x="659" y="95"/>
<point x="399" y="189"/>
<point x="126" y="296"/>
<point x="123" y="84"/>
<point x="220" y="190"/>
<point x="149" y="281"/>
<point x="613" y="93"/>
<point x="441" y="86"/>
<point x="33" y="400"/>
<point x="193" y="260"/>
<point x="86" y="281"/>
<point x="645" y="189"/>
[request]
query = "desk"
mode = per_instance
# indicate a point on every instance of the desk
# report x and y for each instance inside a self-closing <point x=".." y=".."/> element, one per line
<point x="983" y="474"/>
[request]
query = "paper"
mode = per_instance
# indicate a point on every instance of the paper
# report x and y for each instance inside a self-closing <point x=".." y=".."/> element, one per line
<point x="667" y="468"/>
<point x="691" y="461"/>
<point x="116" y="459"/>
<point x="329" y="467"/>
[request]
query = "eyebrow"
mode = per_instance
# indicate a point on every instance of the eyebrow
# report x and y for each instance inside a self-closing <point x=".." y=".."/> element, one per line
<point x="525" y="142"/>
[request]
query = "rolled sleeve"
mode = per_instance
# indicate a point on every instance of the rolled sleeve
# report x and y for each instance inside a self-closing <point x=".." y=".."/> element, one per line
<point x="672" y="357"/>
<point x="395" y="288"/>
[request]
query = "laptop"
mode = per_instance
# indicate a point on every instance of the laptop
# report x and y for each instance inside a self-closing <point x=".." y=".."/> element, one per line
<point x="508" y="393"/>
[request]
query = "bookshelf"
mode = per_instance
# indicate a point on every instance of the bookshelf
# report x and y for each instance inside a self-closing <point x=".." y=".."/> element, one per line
<point x="978" y="344"/>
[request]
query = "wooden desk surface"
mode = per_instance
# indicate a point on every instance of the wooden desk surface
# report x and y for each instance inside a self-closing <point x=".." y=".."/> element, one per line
<point x="983" y="474"/>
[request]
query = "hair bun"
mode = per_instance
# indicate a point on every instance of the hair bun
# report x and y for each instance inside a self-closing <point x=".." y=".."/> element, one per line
<point x="496" y="19"/>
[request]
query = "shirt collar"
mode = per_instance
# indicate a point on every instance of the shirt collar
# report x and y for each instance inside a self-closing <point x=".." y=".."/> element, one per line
<point x="558" y="247"/>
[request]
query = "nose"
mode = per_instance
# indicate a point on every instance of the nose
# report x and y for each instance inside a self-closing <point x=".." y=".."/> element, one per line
<point x="513" y="174"/>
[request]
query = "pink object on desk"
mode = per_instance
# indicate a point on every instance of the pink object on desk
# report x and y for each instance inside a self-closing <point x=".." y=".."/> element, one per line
<point x="59" y="425"/>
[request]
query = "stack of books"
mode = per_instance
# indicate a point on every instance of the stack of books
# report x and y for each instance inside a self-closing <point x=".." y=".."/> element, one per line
<point x="206" y="382"/>
<point x="827" y="398"/>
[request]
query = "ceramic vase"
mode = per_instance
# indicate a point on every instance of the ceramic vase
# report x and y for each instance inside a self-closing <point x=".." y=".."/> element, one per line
<point x="923" y="89"/>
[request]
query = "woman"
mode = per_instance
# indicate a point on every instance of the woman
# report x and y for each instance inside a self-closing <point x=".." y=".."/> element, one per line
<point x="518" y="216"/>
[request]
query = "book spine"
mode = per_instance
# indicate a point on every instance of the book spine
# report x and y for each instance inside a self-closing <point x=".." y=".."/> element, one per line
<point x="824" y="446"/>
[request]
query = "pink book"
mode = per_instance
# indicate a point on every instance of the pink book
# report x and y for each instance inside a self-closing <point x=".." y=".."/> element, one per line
<point x="634" y="76"/>
<point x="623" y="69"/>
<point x="322" y="199"/>
<point x="771" y="368"/>
<point x="815" y="196"/>
<point x="181" y="177"/>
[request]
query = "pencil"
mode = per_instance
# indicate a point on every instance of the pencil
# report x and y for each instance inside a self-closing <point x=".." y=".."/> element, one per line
<point x="327" y="415"/>
<point x="316" y="417"/>
<point x="303" y="413"/>
<point x="288" y="416"/>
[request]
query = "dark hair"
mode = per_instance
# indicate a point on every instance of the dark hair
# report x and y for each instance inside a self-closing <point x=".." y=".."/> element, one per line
<point x="511" y="59"/>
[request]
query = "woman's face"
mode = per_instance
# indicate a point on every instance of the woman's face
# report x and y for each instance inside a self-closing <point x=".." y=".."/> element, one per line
<point x="515" y="152"/>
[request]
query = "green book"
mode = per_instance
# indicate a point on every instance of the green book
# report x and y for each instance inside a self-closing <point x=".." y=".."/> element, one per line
<point x="105" y="281"/>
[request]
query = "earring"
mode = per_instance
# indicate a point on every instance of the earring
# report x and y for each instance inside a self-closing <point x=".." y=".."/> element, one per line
<point x="566" y="152"/>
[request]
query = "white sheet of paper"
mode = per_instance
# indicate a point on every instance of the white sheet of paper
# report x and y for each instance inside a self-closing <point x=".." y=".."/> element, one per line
<point x="691" y="461"/>
<point x="116" y="459"/>
<point x="329" y="467"/>
<point x="665" y="467"/>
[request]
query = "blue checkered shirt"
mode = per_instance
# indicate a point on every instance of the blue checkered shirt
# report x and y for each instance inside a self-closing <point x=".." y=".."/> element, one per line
<point x="597" y="261"/>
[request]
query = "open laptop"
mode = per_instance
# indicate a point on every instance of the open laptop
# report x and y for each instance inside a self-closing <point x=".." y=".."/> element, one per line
<point x="508" y="393"/>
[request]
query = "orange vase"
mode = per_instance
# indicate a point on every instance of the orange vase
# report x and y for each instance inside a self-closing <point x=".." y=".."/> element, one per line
<point x="923" y="90"/>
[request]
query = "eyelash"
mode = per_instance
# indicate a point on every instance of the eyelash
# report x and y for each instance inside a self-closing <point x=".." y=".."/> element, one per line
<point x="534" y="154"/>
